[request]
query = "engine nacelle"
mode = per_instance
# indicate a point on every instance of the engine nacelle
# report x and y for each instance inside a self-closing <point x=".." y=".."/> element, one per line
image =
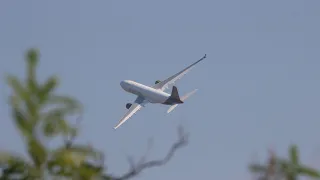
<point x="157" y="81"/>
<point x="128" y="105"/>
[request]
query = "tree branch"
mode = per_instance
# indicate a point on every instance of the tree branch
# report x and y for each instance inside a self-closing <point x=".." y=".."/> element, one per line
<point x="137" y="169"/>
<point x="69" y="142"/>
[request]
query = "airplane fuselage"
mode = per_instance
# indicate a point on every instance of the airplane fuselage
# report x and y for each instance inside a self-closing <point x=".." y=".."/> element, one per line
<point x="155" y="93"/>
<point x="150" y="94"/>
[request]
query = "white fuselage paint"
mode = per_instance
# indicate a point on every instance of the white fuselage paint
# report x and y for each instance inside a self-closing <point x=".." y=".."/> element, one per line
<point x="150" y="94"/>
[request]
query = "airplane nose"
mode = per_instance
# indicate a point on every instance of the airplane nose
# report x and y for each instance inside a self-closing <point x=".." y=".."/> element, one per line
<point x="124" y="83"/>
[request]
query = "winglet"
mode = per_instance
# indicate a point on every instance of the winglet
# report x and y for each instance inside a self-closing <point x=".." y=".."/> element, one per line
<point x="205" y="56"/>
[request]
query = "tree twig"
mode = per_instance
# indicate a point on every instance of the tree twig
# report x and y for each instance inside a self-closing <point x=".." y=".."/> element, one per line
<point x="137" y="169"/>
<point x="69" y="142"/>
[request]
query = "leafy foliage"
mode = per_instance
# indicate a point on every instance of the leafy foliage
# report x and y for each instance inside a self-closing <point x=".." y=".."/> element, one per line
<point x="40" y="114"/>
<point x="280" y="168"/>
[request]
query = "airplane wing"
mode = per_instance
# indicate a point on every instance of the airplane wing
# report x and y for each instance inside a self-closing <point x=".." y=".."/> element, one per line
<point x="136" y="106"/>
<point x="171" y="80"/>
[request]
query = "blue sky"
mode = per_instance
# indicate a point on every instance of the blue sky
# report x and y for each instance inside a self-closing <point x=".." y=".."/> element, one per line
<point x="258" y="88"/>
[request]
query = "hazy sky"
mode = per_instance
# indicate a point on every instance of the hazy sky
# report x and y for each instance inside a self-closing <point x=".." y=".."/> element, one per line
<point x="258" y="88"/>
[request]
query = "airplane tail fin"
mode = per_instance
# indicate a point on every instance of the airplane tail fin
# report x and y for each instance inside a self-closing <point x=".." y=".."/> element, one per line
<point x="175" y="95"/>
<point x="186" y="96"/>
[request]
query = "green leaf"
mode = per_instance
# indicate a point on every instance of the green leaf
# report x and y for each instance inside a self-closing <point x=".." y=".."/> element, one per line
<point x="20" y="119"/>
<point x="32" y="61"/>
<point x="76" y="154"/>
<point x="17" y="87"/>
<point x="70" y="104"/>
<point x="83" y="150"/>
<point x="32" y="107"/>
<point x="37" y="151"/>
<point x="15" y="168"/>
<point x="89" y="171"/>
<point x="13" y="165"/>
<point x="15" y="101"/>
<point x="57" y="127"/>
<point x="32" y="57"/>
<point x="64" y="128"/>
<point x="294" y="154"/>
<point x="50" y="129"/>
<point x="8" y="157"/>
<point x="47" y="88"/>
<point x="306" y="171"/>
<point x="61" y="165"/>
<point x="64" y="162"/>
<point x="55" y="124"/>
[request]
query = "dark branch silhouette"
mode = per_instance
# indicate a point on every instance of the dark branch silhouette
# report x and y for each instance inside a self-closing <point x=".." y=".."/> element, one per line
<point x="69" y="142"/>
<point x="143" y="164"/>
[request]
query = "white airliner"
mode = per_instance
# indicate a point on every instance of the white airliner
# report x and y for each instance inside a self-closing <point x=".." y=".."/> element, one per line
<point x="155" y="94"/>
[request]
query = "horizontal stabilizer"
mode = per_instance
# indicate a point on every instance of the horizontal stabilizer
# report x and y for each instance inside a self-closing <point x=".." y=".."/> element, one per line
<point x="171" y="108"/>
<point x="182" y="99"/>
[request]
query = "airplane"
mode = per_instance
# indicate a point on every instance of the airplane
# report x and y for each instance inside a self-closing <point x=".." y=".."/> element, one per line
<point x="155" y="94"/>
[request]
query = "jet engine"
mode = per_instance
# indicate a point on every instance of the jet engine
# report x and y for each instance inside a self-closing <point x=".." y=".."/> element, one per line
<point x="128" y="105"/>
<point x="157" y="81"/>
